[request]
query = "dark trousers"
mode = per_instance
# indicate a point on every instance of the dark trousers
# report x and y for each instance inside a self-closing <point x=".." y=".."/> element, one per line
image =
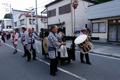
<point x="3" y="40"/>
<point x="25" y="51"/>
<point x="53" y="65"/>
<point x="33" y="51"/>
<point x="15" y="46"/>
<point x="86" y="56"/>
<point x="7" y="37"/>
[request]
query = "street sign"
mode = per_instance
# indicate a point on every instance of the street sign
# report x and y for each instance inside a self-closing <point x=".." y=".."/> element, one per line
<point x="75" y="3"/>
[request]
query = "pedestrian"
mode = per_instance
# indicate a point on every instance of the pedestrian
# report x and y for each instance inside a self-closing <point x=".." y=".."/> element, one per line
<point x="88" y="30"/>
<point x="9" y="35"/>
<point x="23" y="33"/>
<point x="0" y="39"/>
<point x="14" y="39"/>
<point x="3" y="36"/>
<point x="53" y="46"/>
<point x="36" y="48"/>
<point x="30" y="44"/>
<point x="34" y="31"/>
<point x="84" y="31"/>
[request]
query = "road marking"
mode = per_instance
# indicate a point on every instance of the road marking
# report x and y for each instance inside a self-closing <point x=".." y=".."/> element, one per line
<point x="65" y="71"/>
<point x="103" y="56"/>
<point x="107" y="48"/>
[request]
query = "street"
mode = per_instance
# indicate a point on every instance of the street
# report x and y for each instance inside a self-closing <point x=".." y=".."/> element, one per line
<point x="14" y="67"/>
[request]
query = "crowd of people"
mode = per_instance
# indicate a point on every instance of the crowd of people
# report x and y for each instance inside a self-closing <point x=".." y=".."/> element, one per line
<point x="28" y="40"/>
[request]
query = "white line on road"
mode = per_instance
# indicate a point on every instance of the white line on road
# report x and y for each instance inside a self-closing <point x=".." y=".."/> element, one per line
<point x="65" y="71"/>
<point x="104" y="56"/>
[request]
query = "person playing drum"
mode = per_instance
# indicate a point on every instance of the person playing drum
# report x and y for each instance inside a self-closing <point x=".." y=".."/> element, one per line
<point x="84" y="31"/>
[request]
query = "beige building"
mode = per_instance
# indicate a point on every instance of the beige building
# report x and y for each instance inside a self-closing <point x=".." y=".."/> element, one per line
<point x="28" y="21"/>
<point x="105" y="20"/>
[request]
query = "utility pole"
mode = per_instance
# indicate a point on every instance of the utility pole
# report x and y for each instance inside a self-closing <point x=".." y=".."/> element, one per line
<point x="36" y="17"/>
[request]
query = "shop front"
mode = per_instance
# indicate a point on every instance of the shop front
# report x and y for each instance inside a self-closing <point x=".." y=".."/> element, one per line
<point x="114" y="30"/>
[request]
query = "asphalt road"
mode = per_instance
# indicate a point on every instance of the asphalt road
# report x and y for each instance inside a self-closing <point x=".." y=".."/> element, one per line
<point x="14" y="67"/>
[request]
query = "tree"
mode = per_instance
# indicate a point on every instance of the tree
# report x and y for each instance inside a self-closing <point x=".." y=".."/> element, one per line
<point x="8" y="16"/>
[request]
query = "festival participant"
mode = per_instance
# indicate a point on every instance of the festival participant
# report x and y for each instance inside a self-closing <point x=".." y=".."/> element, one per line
<point x="53" y="46"/>
<point x="14" y="39"/>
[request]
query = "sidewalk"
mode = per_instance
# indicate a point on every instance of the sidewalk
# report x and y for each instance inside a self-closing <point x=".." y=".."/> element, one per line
<point x="106" y="49"/>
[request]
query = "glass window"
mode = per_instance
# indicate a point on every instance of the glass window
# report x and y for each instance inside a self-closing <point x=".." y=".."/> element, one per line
<point x="51" y="13"/>
<point x="15" y="24"/>
<point x="34" y="21"/>
<point x="68" y="8"/>
<point x="102" y="27"/>
<point x="22" y="22"/>
<point x="95" y="27"/>
<point x="31" y="21"/>
<point x="65" y="9"/>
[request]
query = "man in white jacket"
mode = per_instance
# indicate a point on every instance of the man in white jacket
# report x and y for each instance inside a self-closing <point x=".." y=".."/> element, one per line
<point x="14" y="39"/>
<point x="30" y="38"/>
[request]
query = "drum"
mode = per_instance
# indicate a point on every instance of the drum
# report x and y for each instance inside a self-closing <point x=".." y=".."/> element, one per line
<point x="83" y="42"/>
<point x="45" y="44"/>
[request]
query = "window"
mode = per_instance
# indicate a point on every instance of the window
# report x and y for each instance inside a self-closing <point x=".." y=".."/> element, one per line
<point x="51" y="13"/>
<point x="44" y="20"/>
<point x="33" y="21"/>
<point x="99" y="27"/>
<point x="102" y="27"/>
<point x="22" y="22"/>
<point x="8" y="27"/>
<point x="8" y="21"/>
<point x="65" y="9"/>
<point x="95" y="27"/>
<point x="15" y="23"/>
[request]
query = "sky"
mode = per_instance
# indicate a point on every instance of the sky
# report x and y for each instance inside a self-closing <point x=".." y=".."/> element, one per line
<point x="21" y="5"/>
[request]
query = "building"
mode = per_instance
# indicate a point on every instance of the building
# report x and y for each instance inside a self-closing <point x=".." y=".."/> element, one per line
<point x="105" y="19"/>
<point x="6" y="24"/>
<point x="16" y="14"/>
<point x="28" y="21"/>
<point x="61" y="13"/>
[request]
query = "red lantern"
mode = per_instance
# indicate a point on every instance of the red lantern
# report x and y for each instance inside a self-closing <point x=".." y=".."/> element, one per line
<point x="75" y="4"/>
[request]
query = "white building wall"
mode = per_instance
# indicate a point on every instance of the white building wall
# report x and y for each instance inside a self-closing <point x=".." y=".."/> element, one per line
<point x="16" y="14"/>
<point x="63" y="18"/>
<point x="81" y="15"/>
<point x="22" y="17"/>
<point x="40" y="25"/>
<point x="28" y="25"/>
<point x="7" y="22"/>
